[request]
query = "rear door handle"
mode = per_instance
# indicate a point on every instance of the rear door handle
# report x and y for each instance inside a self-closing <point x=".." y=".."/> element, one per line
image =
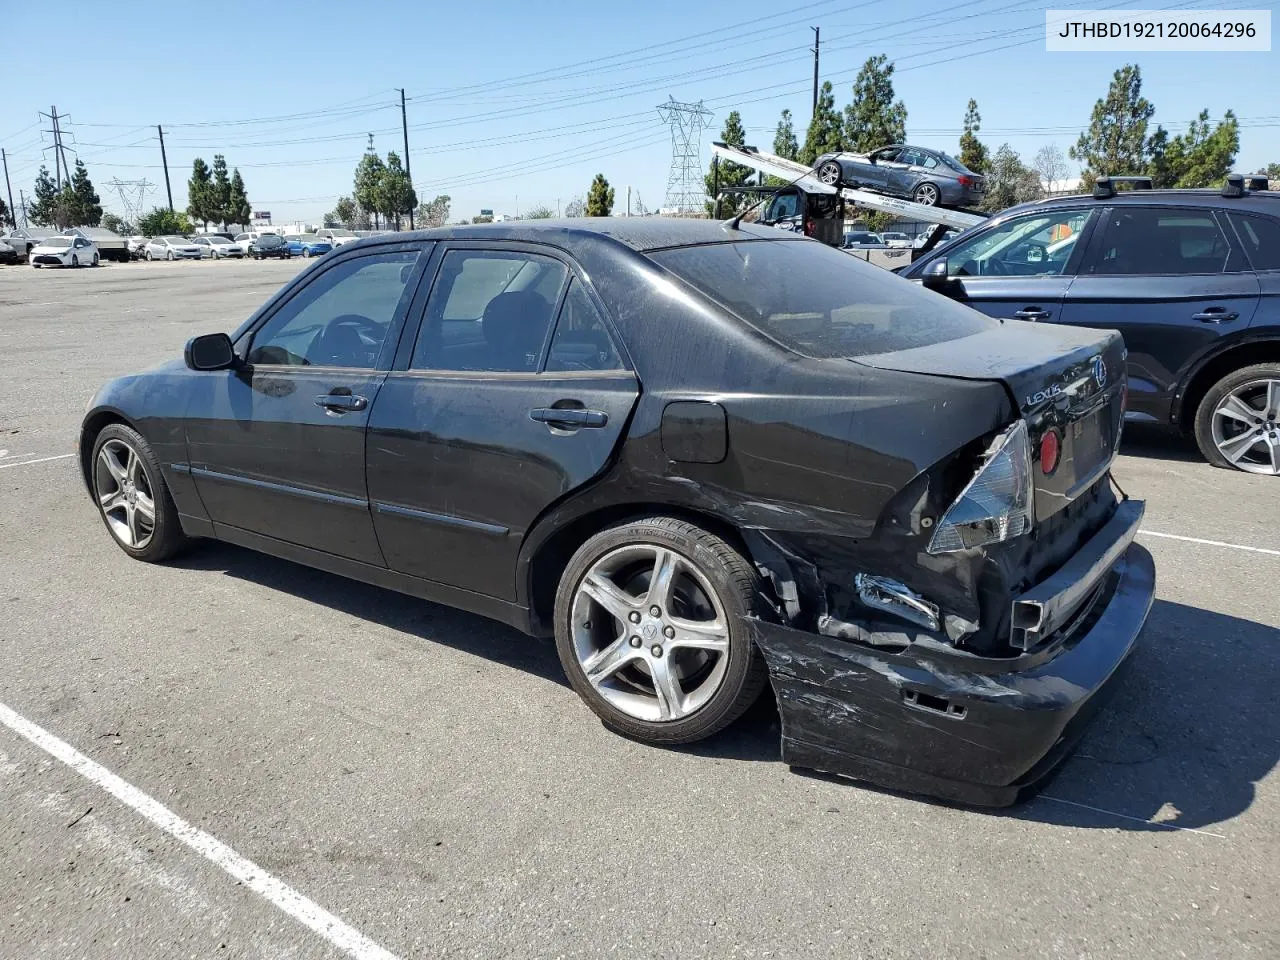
<point x="341" y="402"/>
<point x="1032" y="313"/>
<point x="569" y="417"/>
<point x="1215" y="315"/>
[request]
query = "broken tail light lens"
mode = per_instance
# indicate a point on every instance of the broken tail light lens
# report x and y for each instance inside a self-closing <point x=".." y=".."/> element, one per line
<point x="996" y="505"/>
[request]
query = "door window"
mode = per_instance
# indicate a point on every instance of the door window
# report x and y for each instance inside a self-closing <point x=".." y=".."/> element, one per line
<point x="783" y="207"/>
<point x="1151" y="241"/>
<point x="581" y="341"/>
<point x="1033" y="246"/>
<point x="491" y="310"/>
<point x="339" y="319"/>
<point x="1261" y="239"/>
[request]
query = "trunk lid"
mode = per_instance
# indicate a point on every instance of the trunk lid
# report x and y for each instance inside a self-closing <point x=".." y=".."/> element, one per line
<point x="1069" y="381"/>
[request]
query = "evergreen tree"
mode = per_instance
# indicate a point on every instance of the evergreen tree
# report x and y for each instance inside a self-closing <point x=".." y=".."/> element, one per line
<point x="599" y="197"/>
<point x="874" y="118"/>
<point x="825" y="133"/>
<point x="6" y="216"/>
<point x="220" y="192"/>
<point x="1116" y="141"/>
<point x="731" y="174"/>
<point x="162" y="221"/>
<point x="1199" y="158"/>
<point x="238" y="209"/>
<point x="44" y="209"/>
<point x="973" y="152"/>
<point x="85" y="204"/>
<point x="368" y="182"/>
<point x="395" y="190"/>
<point x="200" y="203"/>
<point x="343" y="214"/>
<point x="785" y="144"/>
<point x="1009" y="181"/>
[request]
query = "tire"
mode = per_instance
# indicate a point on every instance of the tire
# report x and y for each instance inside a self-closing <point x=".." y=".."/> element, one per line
<point x="75" y="261"/>
<point x="927" y="194"/>
<point x="829" y="173"/>
<point x="707" y="575"/>
<point x="114" y="475"/>
<point x="169" y="255"/>
<point x="96" y="260"/>
<point x="306" y="254"/>
<point x="1223" y="437"/>
<point x="147" y="256"/>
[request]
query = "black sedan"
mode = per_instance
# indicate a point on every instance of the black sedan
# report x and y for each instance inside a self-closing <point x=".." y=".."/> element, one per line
<point x="702" y="457"/>
<point x="270" y="245"/>
<point x="900" y="170"/>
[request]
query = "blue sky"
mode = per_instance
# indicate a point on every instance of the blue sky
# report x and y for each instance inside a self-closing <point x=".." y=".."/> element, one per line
<point x="516" y="104"/>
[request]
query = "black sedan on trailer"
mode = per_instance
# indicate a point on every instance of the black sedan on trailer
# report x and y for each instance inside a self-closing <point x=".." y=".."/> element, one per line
<point x="702" y="457"/>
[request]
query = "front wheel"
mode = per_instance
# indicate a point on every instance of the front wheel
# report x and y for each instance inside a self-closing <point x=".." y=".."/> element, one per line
<point x="75" y="260"/>
<point x="1237" y="424"/>
<point x="132" y="496"/>
<point x="927" y="194"/>
<point x="829" y="173"/>
<point x="648" y="622"/>
<point x="148" y="256"/>
<point x="96" y="260"/>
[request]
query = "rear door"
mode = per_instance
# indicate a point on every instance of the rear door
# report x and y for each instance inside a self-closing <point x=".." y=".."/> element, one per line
<point x="1173" y="283"/>
<point x="514" y="394"/>
<point x="1022" y="268"/>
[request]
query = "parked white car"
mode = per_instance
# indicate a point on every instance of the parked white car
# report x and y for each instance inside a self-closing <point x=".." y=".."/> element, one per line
<point x="337" y="236"/>
<point x="171" y="248"/>
<point x="137" y="245"/>
<point x="64" y="252"/>
<point x="895" y="239"/>
<point x="216" y="248"/>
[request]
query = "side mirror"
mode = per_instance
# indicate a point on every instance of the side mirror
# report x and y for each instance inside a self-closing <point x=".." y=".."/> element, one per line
<point x="935" y="275"/>
<point x="211" y="351"/>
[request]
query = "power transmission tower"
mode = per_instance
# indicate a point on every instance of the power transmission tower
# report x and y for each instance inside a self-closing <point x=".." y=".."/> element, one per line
<point x="62" y="172"/>
<point x="686" y="192"/>
<point x="133" y="197"/>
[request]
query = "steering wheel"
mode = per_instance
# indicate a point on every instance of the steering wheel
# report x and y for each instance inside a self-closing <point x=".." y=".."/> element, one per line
<point x="334" y="344"/>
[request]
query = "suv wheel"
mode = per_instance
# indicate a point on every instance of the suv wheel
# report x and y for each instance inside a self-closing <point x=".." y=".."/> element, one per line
<point x="1238" y="422"/>
<point x="648" y="628"/>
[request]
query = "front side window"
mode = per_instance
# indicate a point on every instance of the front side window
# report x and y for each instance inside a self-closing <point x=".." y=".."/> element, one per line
<point x="340" y="318"/>
<point x="1155" y="241"/>
<point x="820" y="302"/>
<point x="1261" y="239"/>
<point x="1033" y="246"/>
<point x="581" y="340"/>
<point x="490" y="310"/>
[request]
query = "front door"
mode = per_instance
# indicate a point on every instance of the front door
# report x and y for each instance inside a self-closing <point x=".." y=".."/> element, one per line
<point x="515" y="394"/>
<point x="1020" y="269"/>
<point x="1170" y="280"/>
<point x="276" y="447"/>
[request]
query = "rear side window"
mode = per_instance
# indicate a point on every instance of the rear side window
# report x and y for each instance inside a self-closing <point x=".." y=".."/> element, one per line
<point x="1261" y="239"/>
<point x="1151" y="241"/>
<point x="581" y="341"/>
<point x="818" y="301"/>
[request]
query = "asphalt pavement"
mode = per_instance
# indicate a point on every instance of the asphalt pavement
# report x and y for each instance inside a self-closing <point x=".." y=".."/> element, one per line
<point x="424" y="780"/>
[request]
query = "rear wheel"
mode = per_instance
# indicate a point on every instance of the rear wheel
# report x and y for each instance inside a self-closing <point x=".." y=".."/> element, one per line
<point x="169" y="255"/>
<point x="928" y="194"/>
<point x="132" y="496"/>
<point x="648" y="628"/>
<point x="96" y="260"/>
<point x="1238" y="422"/>
<point x="75" y="260"/>
<point x="829" y="173"/>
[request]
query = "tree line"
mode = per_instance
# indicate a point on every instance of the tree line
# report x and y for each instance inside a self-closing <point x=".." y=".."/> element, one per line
<point x="1117" y="142"/>
<point x="74" y="203"/>
<point x="215" y="197"/>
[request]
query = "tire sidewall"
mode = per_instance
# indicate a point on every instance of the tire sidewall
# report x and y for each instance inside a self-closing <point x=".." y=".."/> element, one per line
<point x="928" y="188"/>
<point x="725" y="705"/>
<point x="167" y="534"/>
<point x="1203" y="425"/>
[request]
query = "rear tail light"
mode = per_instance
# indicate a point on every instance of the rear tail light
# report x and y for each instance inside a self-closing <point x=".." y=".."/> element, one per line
<point x="965" y="181"/>
<point x="996" y="505"/>
<point x="808" y="227"/>
<point x="1050" y="450"/>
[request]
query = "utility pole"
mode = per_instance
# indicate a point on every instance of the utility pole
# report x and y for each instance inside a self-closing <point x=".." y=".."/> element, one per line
<point x="715" y="186"/>
<point x="408" y="172"/>
<point x="62" y="151"/>
<point x="816" y="41"/>
<point x="23" y="201"/>
<point x="62" y="173"/>
<point x="628" y="199"/>
<point x="13" y="211"/>
<point x="165" y="160"/>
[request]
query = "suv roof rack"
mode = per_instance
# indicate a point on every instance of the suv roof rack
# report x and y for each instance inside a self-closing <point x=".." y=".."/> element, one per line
<point x="1105" y="187"/>
<point x="1237" y="183"/>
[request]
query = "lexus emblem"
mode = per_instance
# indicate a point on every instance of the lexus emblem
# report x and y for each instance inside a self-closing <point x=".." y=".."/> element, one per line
<point x="1100" y="372"/>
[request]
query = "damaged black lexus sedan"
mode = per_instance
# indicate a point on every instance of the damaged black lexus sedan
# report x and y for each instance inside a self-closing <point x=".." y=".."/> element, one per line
<point x="703" y="457"/>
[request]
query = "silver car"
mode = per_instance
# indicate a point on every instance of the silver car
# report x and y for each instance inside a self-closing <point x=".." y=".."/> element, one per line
<point x="171" y="248"/>
<point x="216" y="247"/>
<point x="924" y="176"/>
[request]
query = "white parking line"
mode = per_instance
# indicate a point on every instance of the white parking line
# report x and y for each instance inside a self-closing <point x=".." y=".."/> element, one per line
<point x="276" y="891"/>
<point x="1210" y="543"/>
<point x="26" y="463"/>
<point x="1124" y="816"/>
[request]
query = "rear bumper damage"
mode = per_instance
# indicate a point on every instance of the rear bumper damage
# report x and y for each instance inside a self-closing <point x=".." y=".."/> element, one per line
<point x="966" y="728"/>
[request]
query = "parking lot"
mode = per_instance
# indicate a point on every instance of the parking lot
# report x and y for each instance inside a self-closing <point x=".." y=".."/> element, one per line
<point x="428" y="777"/>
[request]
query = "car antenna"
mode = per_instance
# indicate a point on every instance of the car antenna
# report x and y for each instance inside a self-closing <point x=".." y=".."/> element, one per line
<point x="733" y="222"/>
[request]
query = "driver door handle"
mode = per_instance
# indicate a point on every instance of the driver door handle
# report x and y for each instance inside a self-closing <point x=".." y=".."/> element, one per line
<point x="1215" y="315"/>
<point x="569" y="417"/>
<point x="1032" y="313"/>
<point x="341" y="402"/>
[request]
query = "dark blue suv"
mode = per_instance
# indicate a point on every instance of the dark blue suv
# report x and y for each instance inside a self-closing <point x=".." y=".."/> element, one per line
<point x="1191" y="278"/>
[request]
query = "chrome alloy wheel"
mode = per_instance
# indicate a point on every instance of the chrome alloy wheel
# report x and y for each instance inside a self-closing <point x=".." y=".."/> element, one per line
<point x="650" y="633"/>
<point x="1246" y="426"/>
<point x="124" y="492"/>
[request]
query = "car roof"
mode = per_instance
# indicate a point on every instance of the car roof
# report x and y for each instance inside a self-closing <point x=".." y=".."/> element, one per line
<point x="639" y="233"/>
<point x="1255" y="201"/>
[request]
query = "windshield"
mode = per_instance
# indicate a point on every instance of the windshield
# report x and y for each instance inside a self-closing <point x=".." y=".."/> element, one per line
<point x="218" y="240"/>
<point x="895" y="236"/>
<point x="818" y="301"/>
<point x="56" y="242"/>
<point x="342" y="233"/>
<point x="182" y="240"/>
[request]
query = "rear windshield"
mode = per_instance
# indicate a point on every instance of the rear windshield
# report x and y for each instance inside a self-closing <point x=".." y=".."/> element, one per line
<point x="818" y="301"/>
